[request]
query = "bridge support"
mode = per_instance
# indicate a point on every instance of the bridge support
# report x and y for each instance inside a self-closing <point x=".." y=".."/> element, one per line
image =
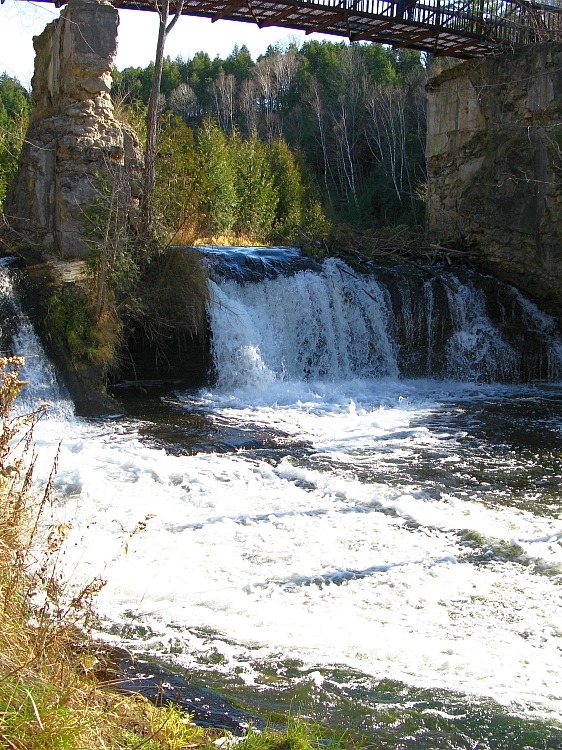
<point x="78" y="164"/>
<point x="74" y="143"/>
<point x="494" y="150"/>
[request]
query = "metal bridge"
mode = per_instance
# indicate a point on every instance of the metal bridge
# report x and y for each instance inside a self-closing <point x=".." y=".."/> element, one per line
<point x="455" y="28"/>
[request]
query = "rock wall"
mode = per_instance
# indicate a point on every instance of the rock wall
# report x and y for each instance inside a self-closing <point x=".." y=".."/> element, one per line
<point x="74" y="142"/>
<point x="77" y="160"/>
<point x="494" y="152"/>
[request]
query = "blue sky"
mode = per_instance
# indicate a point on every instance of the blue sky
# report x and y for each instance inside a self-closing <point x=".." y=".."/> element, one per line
<point x="20" y="20"/>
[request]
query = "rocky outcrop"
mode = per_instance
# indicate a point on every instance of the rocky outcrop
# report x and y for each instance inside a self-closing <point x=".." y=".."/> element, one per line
<point x="494" y="152"/>
<point x="75" y="146"/>
<point x="78" y="163"/>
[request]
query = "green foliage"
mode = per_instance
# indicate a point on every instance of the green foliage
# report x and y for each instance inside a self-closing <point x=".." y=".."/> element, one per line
<point x="171" y="729"/>
<point x="132" y="114"/>
<point x="202" y="72"/>
<point x="316" y="100"/>
<point x="255" y="187"/>
<point x="72" y="323"/>
<point x="406" y="62"/>
<point x="316" y="225"/>
<point x="14" y="100"/>
<point x="289" y="188"/>
<point x="298" y="735"/>
<point x="49" y="698"/>
<point x="98" y="311"/>
<point x="173" y="297"/>
<point x="239" y="63"/>
<point x="221" y="203"/>
<point x="181" y="183"/>
<point x="299" y="214"/>
<point x="14" y="117"/>
<point x="171" y="77"/>
<point x="257" y="191"/>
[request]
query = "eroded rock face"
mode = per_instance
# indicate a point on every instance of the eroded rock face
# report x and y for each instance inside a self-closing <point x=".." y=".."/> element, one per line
<point x="494" y="152"/>
<point x="78" y="161"/>
<point x="74" y="144"/>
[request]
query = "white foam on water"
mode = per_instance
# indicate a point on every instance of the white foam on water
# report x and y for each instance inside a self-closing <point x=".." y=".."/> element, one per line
<point x="42" y="387"/>
<point x="349" y="548"/>
<point x="297" y="560"/>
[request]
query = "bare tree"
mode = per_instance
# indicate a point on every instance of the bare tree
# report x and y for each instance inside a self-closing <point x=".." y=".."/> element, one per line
<point x="346" y="113"/>
<point x="267" y="90"/>
<point x="183" y="102"/>
<point x="286" y="66"/>
<point x="314" y="99"/>
<point x="386" y="130"/>
<point x="162" y="7"/>
<point x="223" y="91"/>
<point x="248" y="104"/>
<point x="273" y="76"/>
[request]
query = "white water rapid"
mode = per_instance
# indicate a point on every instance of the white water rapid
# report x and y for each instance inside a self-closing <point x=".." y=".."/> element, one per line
<point x="316" y="521"/>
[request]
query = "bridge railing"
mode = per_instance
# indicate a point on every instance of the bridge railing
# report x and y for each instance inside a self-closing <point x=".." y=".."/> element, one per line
<point x="508" y="21"/>
<point x="458" y="27"/>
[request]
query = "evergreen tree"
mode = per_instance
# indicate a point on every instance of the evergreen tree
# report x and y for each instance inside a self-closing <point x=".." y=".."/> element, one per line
<point x="367" y="161"/>
<point x="239" y="63"/>
<point x="217" y="155"/>
<point x="255" y="188"/>
<point x="181" y="188"/>
<point x="289" y="189"/>
<point x="14" y="116"/>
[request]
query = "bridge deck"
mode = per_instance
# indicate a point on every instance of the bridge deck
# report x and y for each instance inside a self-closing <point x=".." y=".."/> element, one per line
<point x="457" y="28"/>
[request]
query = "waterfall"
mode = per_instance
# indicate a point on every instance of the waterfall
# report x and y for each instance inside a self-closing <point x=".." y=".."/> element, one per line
<point x="278" y="316"/>
<point x="300" y="321"/>
<point x="476" y="348"/>
<point x="20" y="339"/>
<point x="341" y="525"/>
<point x="310" y="326"/>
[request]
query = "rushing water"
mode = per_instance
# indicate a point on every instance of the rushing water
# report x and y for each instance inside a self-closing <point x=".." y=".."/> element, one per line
<point x="317" y="533"/>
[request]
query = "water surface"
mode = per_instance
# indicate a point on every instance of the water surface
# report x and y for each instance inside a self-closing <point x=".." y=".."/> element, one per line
<point x="318" y="533"/>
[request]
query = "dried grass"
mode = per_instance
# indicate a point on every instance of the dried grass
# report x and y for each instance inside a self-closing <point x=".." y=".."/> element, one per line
<point x="49" y="696"/>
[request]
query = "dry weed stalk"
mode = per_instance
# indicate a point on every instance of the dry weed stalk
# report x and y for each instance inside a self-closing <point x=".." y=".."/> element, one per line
<point x="49" y="697"/>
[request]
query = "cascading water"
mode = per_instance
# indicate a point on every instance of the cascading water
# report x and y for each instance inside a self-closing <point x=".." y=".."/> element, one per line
<point x="19" y="338"/>
<point x="306" y="326"/>
<point x="356" y="522"/>
<point x="328" y="322"/>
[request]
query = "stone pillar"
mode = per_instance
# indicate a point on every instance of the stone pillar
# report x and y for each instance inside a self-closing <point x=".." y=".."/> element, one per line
<point x="74" y="142"/>
<point x="494" y="154"/>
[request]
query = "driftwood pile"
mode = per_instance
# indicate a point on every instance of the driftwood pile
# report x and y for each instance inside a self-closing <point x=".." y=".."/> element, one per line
<point x="399" y="244"/>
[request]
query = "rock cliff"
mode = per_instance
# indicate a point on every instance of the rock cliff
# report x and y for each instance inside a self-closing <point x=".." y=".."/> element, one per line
<point x="494" y="151"/>
<point x="74" y="142"/>
<point x="76" y="153"/>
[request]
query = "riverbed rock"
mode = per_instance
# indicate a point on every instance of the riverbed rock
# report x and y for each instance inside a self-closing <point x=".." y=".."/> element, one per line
<point x="164" y="685"/>
<point x="494" y="155"/>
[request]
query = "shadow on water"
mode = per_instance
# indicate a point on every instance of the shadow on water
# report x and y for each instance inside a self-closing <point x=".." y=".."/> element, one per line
<point x="166" y="422"/>
<point x="511" y="450"/>
<point x="386" y="713"/>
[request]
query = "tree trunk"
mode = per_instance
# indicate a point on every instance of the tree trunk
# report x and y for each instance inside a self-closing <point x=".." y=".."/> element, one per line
<point x="163" y="9"/>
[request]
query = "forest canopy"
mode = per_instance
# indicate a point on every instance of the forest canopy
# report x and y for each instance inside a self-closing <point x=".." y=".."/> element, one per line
<point x="303" y="138"/>
<point x="350" y="119"/>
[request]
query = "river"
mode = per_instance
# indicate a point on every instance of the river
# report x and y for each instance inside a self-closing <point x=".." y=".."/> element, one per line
<point x="318" y="532"/>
